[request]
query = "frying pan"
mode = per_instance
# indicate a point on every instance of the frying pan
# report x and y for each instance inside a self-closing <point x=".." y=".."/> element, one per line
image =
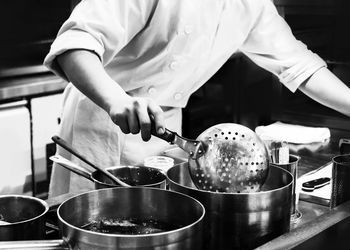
<point x="183" y="212"/>
<point x="132" y="175"/>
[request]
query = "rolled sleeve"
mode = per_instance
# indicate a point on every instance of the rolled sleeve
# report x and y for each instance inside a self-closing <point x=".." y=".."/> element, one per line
<point x="101" y="26"/>
<point x="69" y="40"/>
<point x="272" y="46"/>
<point x="296" y="74"/>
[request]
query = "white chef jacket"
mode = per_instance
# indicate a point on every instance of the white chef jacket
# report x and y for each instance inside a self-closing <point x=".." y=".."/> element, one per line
<point x="166" y="50"/>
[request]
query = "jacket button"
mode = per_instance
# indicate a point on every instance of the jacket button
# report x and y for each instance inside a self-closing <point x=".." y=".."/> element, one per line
<point x="174" y="65"/>
<point x="188" y="29"/>
<point x="152" y="90"/>
<point x="177" y="96"/>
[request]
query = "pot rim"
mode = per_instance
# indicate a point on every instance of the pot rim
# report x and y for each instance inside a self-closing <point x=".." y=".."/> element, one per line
<point x="199" y="220"/>
<point x="40" y="201"/>
<point x="129" y="166"/>
<point x="230" y="194"/>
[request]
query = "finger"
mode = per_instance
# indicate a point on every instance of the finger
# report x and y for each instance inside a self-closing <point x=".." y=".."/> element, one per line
<point x="133" y="122"/>
<point x="145" y="123"/>
<point x="123" y="124"/>
<point x="158" y="117"/>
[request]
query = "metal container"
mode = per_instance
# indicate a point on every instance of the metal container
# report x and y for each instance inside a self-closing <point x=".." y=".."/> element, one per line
<point x="22" y="218"/>
<point x="240" y="220"/>
<point x="134" y="202"/>
<point x="291" y="166"/>
<point x="132" y="175"/>
<point x="340" y="179"/>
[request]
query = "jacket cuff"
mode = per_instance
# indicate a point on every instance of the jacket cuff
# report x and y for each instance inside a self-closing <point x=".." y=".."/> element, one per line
<point x="293" y="77"/>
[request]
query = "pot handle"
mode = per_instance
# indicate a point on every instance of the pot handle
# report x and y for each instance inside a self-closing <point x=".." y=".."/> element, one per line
<point x="71" y="166"/>
<point x="35" y="245"/>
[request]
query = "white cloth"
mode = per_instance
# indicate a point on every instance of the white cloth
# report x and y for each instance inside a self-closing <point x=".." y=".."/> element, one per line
<point x="165" y="50"/>
<point x="292" y="133"/>
<point x="91" y="132"/>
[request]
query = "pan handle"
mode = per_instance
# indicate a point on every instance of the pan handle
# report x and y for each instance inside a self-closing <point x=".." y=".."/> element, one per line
<point x="61" y="142"/>
<point x="35" y="245"/>
<point x="71" y="166"/>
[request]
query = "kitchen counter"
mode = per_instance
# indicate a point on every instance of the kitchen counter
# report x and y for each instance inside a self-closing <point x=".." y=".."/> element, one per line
<point x="312" y="228"/>
<point x="316" y="218"/>
<point x="316" y="155"/>
<point x="32" y="85"/>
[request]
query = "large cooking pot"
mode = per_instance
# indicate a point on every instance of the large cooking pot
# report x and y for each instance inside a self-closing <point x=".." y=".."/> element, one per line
<point x="240" y="220"/>
<point x="22" y="217"/>
<point x="133" y="175"/>
<point x="182" y="214"/>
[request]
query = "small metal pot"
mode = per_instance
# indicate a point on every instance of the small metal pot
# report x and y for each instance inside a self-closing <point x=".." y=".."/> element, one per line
<point x="135" y="202"/>
<point x="132" y="175"/>
<point x="22" y="218"/>
<point x="240" y="220"/>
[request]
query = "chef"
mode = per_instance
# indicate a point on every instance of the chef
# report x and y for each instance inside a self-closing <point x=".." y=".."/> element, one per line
<point x="159" y="53"/>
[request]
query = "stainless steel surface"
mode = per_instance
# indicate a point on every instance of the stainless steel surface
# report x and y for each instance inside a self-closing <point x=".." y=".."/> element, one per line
<point x="16" y="87"/>
<point x="71" y="166"/>
<point x="13" y="104"/>
<point x="312" y="227"/>
<point x="61" y="142"/>
<point x="244" y="220"/>
<point x="235" y="160"/>
<point x="340" y="180"/>
<point x="24" y="216"/>
<point x="21" y="71"/>
<point x="133" y="175"/>
<point x="35" y="245"/>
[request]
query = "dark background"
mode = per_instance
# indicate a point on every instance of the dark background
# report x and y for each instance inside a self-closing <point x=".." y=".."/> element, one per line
<point x="239" y="92"/>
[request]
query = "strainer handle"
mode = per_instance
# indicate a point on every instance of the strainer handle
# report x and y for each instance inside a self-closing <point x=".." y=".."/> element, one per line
<point x="194" y="148"/>
<point x="168" y="135"/>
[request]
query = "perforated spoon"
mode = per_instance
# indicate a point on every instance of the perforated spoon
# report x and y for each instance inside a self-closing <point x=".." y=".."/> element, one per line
<point x="226" y="157"/>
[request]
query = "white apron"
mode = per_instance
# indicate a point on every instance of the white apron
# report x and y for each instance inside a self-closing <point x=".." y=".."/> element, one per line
<point x="89" y="129"/>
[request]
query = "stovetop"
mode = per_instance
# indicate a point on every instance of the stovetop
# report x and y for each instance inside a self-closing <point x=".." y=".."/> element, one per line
<point x="51" y="224"/>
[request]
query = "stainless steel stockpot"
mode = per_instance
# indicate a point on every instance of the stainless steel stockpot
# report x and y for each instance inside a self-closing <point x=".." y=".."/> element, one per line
<point x="240" y="220"/>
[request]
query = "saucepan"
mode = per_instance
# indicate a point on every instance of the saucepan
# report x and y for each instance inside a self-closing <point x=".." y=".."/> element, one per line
<point x="126" y="218"/>
<point x="22" y="217"/>
<point x="132" y="175"/>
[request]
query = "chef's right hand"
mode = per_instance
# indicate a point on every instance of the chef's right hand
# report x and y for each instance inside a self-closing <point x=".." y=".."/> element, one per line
<point x="135" y="114"/>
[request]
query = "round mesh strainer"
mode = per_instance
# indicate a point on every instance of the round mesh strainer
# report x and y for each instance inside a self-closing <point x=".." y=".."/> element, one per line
<point x="235" y="160"/>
